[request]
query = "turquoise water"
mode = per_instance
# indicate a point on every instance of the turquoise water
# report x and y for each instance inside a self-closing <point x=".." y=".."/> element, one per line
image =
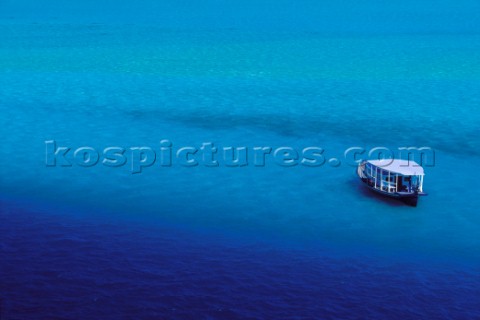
<point x="101" y="81"/>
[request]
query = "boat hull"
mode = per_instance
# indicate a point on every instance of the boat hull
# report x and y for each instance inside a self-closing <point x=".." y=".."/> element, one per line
<point x="409" y="198"/>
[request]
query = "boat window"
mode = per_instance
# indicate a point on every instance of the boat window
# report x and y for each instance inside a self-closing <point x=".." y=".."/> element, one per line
<point x="415" y="180"/>
<point x="392" y="178"/>
<point x="369" y="168"/>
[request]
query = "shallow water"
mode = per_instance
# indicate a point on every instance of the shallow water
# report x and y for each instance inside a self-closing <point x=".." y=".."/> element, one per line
<point x="244" y="242"/>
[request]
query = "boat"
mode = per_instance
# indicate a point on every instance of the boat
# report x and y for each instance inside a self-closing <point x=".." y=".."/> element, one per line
<point x="398" y="179"/>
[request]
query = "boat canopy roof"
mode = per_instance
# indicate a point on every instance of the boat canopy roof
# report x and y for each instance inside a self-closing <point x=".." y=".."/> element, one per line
<point x="404" y="167"/>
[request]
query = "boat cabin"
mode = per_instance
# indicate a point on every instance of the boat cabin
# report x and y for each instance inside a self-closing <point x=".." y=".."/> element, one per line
<point x="393" y="176"/>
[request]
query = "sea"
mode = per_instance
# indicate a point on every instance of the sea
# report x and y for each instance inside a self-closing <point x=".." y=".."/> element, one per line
<point x="82" y="241"/>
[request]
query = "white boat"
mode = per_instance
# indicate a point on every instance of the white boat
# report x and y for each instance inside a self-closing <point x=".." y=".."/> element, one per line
<point x="399" y="179"/>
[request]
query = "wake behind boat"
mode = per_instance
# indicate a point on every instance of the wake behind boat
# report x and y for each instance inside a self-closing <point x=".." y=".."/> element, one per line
<point x="399" y="179"/>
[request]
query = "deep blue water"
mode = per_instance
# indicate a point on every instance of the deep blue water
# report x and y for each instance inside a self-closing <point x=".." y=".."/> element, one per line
<point x="249" y="242"/>
<point x="61" y="265"/>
